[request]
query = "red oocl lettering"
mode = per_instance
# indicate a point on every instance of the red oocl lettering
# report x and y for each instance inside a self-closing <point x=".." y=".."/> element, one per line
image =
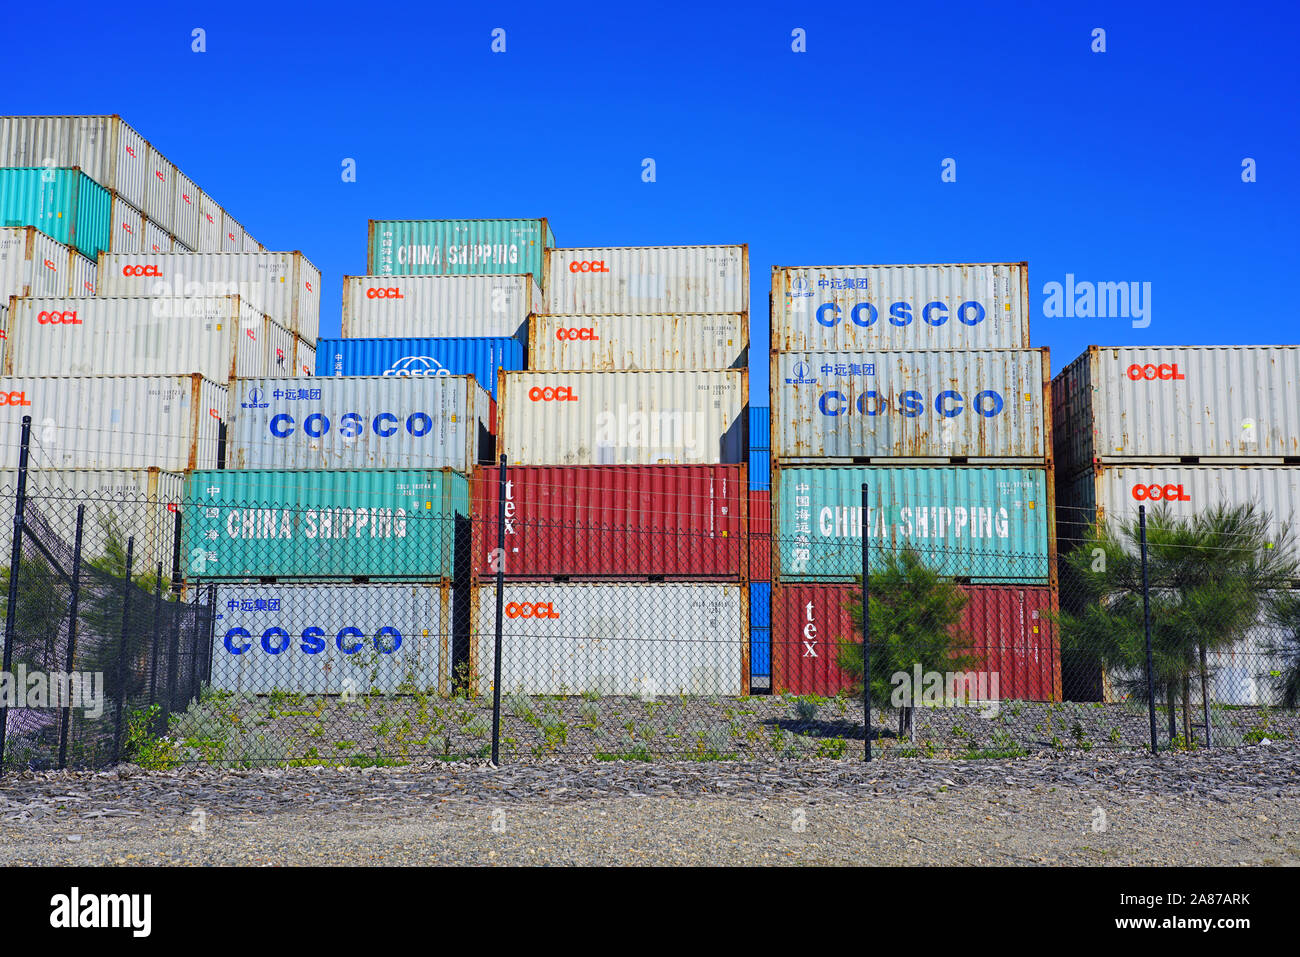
<point x="588" y="265"/>
<point x="561" y="393"/>
<point x="139" y="270"/>
<point x="1161" y="493"/>
<point x="531" y="609"/>
<point x="1152" y="372"/>
<point x="571" y="335"/>
<point x="378" y="292"/>
<point x="58" y="318"/>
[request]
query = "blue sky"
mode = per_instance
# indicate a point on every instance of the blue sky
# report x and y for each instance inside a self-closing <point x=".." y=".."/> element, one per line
<point x="1122" y="166"/>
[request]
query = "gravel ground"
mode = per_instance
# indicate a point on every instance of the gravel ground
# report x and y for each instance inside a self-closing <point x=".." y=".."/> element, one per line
<point x="1232" y="806"/>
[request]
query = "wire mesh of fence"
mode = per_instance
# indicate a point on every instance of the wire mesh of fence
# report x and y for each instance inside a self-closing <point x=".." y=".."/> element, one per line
<point x="381" y="647"/>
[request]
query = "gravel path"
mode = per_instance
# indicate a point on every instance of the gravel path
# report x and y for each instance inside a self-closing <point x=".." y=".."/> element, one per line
<point x="1239" y="806"/>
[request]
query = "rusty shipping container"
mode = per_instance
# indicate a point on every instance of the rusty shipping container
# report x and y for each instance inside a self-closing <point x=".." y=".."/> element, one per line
<point x="304" y="357"/>
<point x="33" y="264"/>
<point x="978" y="407"/>
<point x="114" y="422"/>
<point x="1009" y="630"/>
<point x="623" y="418"/>
<point x="623" y="343"/>
<point x="219" y="338"/>
<point x="632" y="521"/>
<point x="903" y="307"/>
<point x="614" y="638"/>
<point x="106" y="149"/>
<point x="760" y="535"/>
<point x="413" y="307"/>
<point x="1178" y="404"/>
<point x="639" y="280"/>
<point x="282" y="285"/>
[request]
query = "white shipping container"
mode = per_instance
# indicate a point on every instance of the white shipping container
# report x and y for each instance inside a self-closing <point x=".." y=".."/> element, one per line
<point x="139" y="503"/>
<point x="1168" y="404"/>
<point x="623" y="418"/>
<point x="615" y="638"/>
<point x="211" y="223"/>
<point x="1113" y="494"/>
<point x="216" y="337"/>
<point x="33" y="264"/>
<point x="113" y="422"/>
<point x="251" y="245"/>
<point x="359" y="422"/>
<point x="160" y="195"/>
<point x="232" y="235"/>
<point x="647" y="279"/>
<point x="280" y="345"/>
<point x="106" y="149"/>
<point x="127" y="235"/>
<point x="914" y="307"/>
<point x="282" y="285"/>
<point x="304" y="358"/>
<point x="984" y="406"/>
<point x="185" y="212"/>
<point x="413" y="307"/>
<point x="622" y="343"/>
<point x="332" y="639"/>
<point x="155" y="240"/>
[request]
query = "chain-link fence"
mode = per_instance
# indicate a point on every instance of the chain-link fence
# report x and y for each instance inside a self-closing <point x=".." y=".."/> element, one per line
<point x="417" y="625"/>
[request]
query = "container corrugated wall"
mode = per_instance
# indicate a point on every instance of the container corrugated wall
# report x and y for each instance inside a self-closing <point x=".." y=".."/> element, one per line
<point x="65" y="204"/>
<point x="216" y="337"/>
<point x="114" y="422"/>
<point x="160" y="191"/>
<point x="1171" y="403"/>
<point x="185" y="212"/>
<point x="760" y="535"/>
<point x="33" y="264"/>
<point x="983" y="406"/>
<point x="389" y="307"/>
<point x="637" y="280"/>
<point x="331" y="639"/>
<point x="126" y="232"/>
<point x="760" y="447"/>
<point x="680" y="638"/>
<point x="358" y="422"/>
<point x="619" y="343"/>
<point x="155" y="239"/>
<point x="457" y="247"/>
<point x="982" y="523"/>
<point x="636" y="521"/>
<point x="211" y="223"/>
<point x="282" y="285"/>
<point x="139" y="503"/>
<point x="623" y="418"/>
<point x="913" y="307"/>
<point x="760" y="634"/>
<point x="304" y="357"/>
<point x="481" y="358"/>
<point x="109" y="151"/>
<point x="1010" y="627"/>
<point x="380" y="523"/>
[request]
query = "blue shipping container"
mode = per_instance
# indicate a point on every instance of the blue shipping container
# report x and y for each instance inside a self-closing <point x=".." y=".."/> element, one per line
<point x="480" y="358"/>
<point x="457" y="247"/>
<point x="65" y="204"/>
<point x="760" y="470"/>
<point x="760" y="427"/>
<point x="760" y="629"/>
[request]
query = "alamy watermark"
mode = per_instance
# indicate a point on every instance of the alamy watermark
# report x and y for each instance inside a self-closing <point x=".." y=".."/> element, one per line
<point x="950" y="689"/>
<point x="1098" y="300"/>
<point x="83" y="690"/>
<point x="667" y="432"/>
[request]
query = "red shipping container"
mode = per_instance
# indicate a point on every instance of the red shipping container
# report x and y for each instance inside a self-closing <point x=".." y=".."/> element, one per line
<point x="760" y="536"/>
<point x="1010" y="627"/>
<point x="627" y="521"/>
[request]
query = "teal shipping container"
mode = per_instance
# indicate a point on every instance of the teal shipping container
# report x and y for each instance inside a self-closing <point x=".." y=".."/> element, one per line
<point x="457" y="247"/>
<point x="372" y="523"/>
<point x="982" y="525"/>
<point x="65" y="204"/>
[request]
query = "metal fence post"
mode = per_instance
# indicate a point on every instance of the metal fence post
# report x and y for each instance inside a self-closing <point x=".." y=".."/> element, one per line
<point x="866" y="624"/>
<point x="1146" y="625"/>
<point x="73" y="599"/>
<point x="157" y="622"/>
<point x="15" y="557"/>
<point x="121" y="651"/>
<point x="1205" y="699"/>
<point x="501" y="582"/>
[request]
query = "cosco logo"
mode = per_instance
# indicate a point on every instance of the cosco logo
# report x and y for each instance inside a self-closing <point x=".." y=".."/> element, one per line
<point x="141" y="271"/>
<point x="378" y="293"/>
<point x="583" y="335"/>
<point x="58" y="318"/>
<point x="14" y="398"/>
<point x="276" y="641"/>
<point x="561" y="393"/>
<point x="1151" y="373"/>
<point x="911" y="403"/>
<point x="865" y="314"/>
<point x="588" y="265"/>
<point x="1160" y="493"/>
<point x="352" y="424"/>
<point x="531" y="609"/>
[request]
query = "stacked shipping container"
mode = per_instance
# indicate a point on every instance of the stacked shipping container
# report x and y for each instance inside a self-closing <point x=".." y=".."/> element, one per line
<point x="919" y="382"/>
<point x="1183" y="428"/>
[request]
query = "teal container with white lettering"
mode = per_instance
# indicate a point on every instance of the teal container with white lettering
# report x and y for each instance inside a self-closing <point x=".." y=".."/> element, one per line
<point x="371" y="524"/>
<point x="64" y="204"/>
<point x="980" y="524"/>
<point x="458" y="247"/>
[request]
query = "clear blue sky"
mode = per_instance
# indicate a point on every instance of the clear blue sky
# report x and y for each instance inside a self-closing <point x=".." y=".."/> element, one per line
<point x="1122" y="166"/>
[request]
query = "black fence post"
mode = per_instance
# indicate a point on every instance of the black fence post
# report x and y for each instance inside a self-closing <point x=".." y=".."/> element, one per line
<point x="501" y="582"/>
<point x="1146" y="625"/>
<point x="121" y="651"/>
<point x="866" y="625"/>
<point x="15" y="557"/>
<point x="73" y="599"/>
<point x="157" y="636"/>
<point x="1205" y="699"/>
